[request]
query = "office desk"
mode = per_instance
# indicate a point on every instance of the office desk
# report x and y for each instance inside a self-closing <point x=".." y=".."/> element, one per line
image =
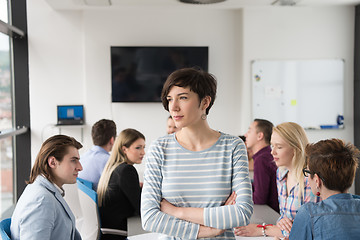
<point x="156" y="236"/>
<point x="262" y="213"/>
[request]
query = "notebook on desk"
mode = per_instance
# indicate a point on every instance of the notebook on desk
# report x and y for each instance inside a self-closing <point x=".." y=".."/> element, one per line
<point x="70" y="115"/>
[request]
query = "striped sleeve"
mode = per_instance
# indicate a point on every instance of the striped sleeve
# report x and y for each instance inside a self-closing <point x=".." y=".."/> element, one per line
<point x="225" y="217"/>
<point x="152" y="218"/>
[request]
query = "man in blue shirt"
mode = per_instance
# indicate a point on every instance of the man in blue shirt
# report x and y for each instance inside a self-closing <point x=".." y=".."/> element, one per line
<point x="93" y="161"/>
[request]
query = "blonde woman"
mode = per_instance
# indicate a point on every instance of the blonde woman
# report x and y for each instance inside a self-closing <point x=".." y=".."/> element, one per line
<point x="288" y="142"/>
<point x="119" y="189"/>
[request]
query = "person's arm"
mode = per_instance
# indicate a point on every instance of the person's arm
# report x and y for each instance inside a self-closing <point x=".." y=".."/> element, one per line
<point x="232" y="215"/>
<point x="190" y="214"/>
<point x="238" y="214"/>
<point x="129" y="184"/>
<point x="273" y="231"/>
<point x="252" y="230"/>
<point x="38" y="219"/>
<point x="208" y="232"/>
<point x="285" y="224"/>
<point x="152" y="218"/>
<point x="301" y="228"/>
<point x="262" y="181"/>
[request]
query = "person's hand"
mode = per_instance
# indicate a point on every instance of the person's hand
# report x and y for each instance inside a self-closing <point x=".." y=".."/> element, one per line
<point x="250" y="230"/>
<point x="141" y="184"/>
<point x="167" y="207"/>
<point x="208" y="232"/>
<point x="285" y="224"/>
<point x="231" y="199"/>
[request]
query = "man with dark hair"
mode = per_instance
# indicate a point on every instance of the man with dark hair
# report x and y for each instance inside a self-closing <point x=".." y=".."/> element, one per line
<point x="93" y="161"/>
<point x="264" y="184"/>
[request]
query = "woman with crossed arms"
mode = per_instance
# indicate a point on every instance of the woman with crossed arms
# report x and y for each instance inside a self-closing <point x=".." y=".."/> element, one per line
<point x="190" y="174"/>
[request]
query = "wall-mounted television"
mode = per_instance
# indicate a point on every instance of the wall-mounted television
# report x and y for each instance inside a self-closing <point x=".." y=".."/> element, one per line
<point x="138" y="73"/>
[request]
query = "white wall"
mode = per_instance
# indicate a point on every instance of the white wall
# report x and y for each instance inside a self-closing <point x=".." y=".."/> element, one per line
<point x="81" y="73"/>
<point x="70" y="59"/>
<point x="301" y="33"/>
<point x="55" y="67"/>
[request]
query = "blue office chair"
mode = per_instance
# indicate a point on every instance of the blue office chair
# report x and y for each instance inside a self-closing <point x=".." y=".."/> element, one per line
<point x="5" y="229"/>
<point x="86" y="183"/>
<point x="91" y="227"/>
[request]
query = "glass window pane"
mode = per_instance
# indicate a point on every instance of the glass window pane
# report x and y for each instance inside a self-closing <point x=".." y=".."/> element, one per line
<point x="4" y="11"/>
<point x="6" y="175"/>
<point x="5" y="84"/>
<point x="6" y="144"/>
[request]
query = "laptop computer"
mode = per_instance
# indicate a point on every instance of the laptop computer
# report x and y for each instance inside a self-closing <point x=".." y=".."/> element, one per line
<point x="70" y="115"/>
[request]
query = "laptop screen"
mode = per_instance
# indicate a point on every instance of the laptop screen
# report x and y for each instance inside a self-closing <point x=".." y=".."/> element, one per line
<point x="70" y="114"/>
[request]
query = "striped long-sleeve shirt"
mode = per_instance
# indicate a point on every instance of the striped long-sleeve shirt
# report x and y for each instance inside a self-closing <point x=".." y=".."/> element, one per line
<point x="202" y="179"/>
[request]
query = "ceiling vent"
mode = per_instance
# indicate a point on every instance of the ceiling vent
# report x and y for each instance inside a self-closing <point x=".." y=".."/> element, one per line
<point x="201" y="1"/>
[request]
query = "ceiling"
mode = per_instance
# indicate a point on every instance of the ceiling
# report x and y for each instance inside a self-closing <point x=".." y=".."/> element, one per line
<point x="228" y="4"/>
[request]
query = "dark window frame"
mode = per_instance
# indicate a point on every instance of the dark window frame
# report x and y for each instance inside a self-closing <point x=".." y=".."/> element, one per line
<point x="356" y="92"/>
<point x="16" y="29"/>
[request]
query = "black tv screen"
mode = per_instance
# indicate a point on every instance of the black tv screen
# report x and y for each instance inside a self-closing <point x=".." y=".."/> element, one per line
<point x="138" y="73"/>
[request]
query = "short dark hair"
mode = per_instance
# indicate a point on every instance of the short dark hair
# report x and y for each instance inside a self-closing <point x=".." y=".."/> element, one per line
<point x="265" y="127"/>
<point x="200" y="82"/>
<point x="334" y="161"/>
<point x="102" y="131"/>
<point x="55" y="146"/>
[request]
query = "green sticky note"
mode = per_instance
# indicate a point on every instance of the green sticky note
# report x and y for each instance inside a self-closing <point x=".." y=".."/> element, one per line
<point x="293" y="102"/>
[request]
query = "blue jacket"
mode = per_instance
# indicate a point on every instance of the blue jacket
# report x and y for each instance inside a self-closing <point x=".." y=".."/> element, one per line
<point x="336" y="217"/>
<point x="42" y="213"/>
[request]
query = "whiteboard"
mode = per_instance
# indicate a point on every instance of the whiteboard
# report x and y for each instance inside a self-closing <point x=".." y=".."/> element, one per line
<point x="308" y="92"/>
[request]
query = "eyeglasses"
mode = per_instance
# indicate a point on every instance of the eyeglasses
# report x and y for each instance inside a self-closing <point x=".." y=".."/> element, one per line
<point x="306" y="173"/>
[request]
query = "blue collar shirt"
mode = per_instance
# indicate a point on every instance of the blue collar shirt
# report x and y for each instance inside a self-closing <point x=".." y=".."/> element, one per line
<point x="93" y="163"/>
<point x="336" y="217"/>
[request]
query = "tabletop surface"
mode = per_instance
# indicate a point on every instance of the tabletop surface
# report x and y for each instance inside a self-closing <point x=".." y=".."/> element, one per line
<point x="155" y="236"/>
<point x="261" y="214"/>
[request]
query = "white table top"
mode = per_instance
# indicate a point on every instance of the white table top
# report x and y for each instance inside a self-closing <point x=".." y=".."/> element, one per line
<point x="155" y="236"/>
<point x="262" y="213"/>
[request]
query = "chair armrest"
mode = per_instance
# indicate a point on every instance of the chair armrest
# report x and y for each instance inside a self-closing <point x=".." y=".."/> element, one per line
<point x="113" y="231"/>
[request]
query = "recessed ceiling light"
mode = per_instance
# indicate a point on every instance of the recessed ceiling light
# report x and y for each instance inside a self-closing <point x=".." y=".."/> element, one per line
<point x="285" y="2"/>
<point x="97" y="2"/>
<point x="201" y="1"/>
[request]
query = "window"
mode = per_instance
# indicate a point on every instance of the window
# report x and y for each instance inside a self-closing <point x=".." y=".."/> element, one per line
<point x="4" y="10"/>
<point x="6" y="153"/>
<point x="14" y="162"/>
